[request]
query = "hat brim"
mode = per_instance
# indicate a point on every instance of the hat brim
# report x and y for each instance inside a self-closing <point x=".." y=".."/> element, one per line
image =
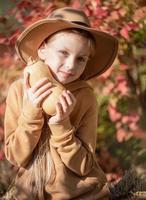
<point x="31" y="38"/>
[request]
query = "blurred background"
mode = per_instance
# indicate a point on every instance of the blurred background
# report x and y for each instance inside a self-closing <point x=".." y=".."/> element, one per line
<point x="121" y="91"/>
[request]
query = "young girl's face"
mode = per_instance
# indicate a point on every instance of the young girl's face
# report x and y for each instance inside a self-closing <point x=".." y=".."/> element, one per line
<point x="66" y="54"/>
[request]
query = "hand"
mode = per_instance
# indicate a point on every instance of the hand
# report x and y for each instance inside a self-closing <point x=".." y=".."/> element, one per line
<point x="38" y="92"/>
<point x="64" y="107"/>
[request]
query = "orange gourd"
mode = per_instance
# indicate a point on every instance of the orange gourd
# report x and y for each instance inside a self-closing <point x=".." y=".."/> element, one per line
<point x="37" y="71"/>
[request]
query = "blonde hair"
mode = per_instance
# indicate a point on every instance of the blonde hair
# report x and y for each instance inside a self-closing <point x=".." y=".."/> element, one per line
<point x="41" y="166"/>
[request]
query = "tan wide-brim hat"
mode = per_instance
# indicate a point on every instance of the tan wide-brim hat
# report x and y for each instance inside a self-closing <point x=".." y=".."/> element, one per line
<point x="31" y="38"/>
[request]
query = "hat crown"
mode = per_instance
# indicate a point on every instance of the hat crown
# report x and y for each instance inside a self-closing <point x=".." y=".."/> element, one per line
<point x="70" y="14"/>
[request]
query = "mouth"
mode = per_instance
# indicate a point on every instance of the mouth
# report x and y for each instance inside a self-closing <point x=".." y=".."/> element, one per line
<point x="67" y="73"/>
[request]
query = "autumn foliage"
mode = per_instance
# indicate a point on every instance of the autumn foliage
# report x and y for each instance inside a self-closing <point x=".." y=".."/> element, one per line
<point x="121" y="91"/>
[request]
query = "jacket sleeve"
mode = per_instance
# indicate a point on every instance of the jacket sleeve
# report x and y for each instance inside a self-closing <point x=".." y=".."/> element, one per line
<point x="76" y="147"/>
<point x="23" y="126"/>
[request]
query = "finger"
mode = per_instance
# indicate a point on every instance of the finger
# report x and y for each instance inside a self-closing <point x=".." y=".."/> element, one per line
<point x="64" y="103"/>
<point x="42" y="97"/>
<point x="68" y="98"/>
<point x="43" y="89"/>
<point x="59" y="110"/>
<point x="26" y="81"/>
<point x="39" y="84"/>
<point x="73" y="99"/>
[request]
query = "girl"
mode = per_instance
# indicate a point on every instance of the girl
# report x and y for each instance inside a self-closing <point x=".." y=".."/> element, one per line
<point x="56" y="154"/>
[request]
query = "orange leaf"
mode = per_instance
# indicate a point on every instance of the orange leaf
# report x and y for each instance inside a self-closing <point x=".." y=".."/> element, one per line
<point x="125" y="33"/>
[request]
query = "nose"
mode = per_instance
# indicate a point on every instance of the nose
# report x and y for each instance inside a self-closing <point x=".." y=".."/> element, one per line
<point x="70" y="63"/>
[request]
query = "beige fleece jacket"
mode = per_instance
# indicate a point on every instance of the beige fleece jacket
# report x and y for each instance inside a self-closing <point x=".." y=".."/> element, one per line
<point x="72" y="142"/>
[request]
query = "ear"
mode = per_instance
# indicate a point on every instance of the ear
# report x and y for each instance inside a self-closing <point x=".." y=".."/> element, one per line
<point x="41" y="52"/>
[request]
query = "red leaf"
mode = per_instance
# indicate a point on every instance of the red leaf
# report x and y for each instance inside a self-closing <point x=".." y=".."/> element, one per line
<point x="7" y="60"/>
<point x="3" y="40"/>
<point x="121" y="135"/>
<point x="100" y="12"/>
<point x="134" y="118"/>
<point x="114" y="15"/>
<point x="23" y="4"/>
<point x="14" y="36"/>
<point x="131" y="26"/>
<point x="108" y="89"/>
<point x="122" y="12"/>
<point x="113" y="113"/>
<point x="124" y="67"/>
<point x="139" y="14"/>
<point x="113" y="177"/>
<point x="125" y="32"/>
<point x="118" y="125"/>
<point x="139" y="133"/>
<point x="120" y="78"/>
<point x="122" y="88"/>
<point x="88" y="11"/>
<point x="76" y="4"/>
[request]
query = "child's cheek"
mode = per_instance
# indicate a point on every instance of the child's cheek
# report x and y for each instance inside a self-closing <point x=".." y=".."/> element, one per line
<point x="50" y="60"/>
